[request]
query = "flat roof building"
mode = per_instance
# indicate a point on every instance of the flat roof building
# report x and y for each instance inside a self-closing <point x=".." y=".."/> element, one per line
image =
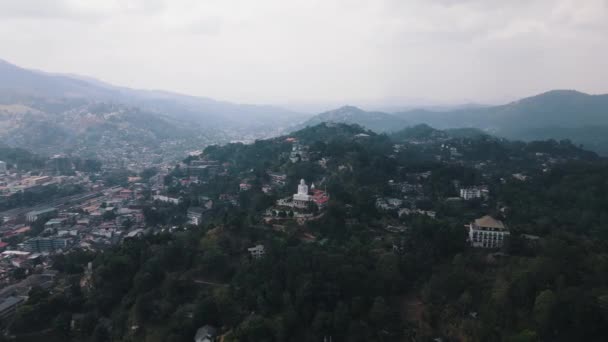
<point x="488" y="232"/>
<point x="257" y="252"/>
<point x="36" y="214"/>
<point x="42" y="245"/>
<point x="9" y="305"/>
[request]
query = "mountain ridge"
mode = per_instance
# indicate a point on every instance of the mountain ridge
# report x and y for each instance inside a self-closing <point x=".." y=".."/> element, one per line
<point x="375" y="120"/>
<point x="556" y="114"/>
<point x="18" y="82"/>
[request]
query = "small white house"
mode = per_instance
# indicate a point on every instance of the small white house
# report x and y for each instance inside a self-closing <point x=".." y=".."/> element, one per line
<point x="257" y="251"/>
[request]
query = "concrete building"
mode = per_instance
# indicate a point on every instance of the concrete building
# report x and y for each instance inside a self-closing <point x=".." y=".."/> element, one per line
<point x="55" y="223"/>
<point x="206" y="333"/>
<point x="298" y="153"/>
<point x="166" y="199"/>
<point x="278" y="178"/>
<point x="257" y="252"/>
<point x="36" y="180"/>
<point x="488" y="232"/>
<point x="135" y="233"/>
<point x="195" y="215"/>
<point x="36" y="214"/>
<point x="474" y="192"/>
<point x="45" y="245"/>
<point x="9" y="305"/>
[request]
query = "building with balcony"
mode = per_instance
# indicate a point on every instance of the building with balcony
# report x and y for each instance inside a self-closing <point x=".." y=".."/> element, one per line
<point x="488" y="232"/>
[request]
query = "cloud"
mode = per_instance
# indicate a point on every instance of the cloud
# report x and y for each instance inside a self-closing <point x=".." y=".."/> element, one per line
<point x="317" y="50"/>
<point x="76" y="9"/>
<point x="34" y="9"/>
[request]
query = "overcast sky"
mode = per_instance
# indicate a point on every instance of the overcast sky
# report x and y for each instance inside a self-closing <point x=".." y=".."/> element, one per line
<point x="318" y="51"/>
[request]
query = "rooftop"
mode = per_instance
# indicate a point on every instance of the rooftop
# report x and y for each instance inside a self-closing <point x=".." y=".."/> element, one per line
<point x="489" y="222"/>
<point x="9" y="302"/>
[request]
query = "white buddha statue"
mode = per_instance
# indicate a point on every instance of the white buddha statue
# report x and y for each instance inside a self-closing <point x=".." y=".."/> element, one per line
<point x="302" y="194"/>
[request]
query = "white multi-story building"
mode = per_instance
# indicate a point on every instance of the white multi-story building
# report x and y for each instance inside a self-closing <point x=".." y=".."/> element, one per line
<point x="473" y="192"/>
<point x="488" y="232"/>
<point x="195" y="216"/>
<point x="166" y="199"/>
<point x="257" y="251"/>
<point x="36" y="214"/>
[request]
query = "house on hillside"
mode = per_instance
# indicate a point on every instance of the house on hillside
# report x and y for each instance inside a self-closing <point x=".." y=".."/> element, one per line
<point x="206" y="333"/>
<point x="488" y="232"/>
<point x="257" y="251"/>
<point x="195" y="215"/>
<point x="474" y="192"/>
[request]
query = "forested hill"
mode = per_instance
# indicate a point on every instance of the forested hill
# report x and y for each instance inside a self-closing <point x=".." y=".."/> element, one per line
<point x="385" y="259"/>
<point x="474" y="145"/>
<point x="557" y="114"/>
<point x="53" y="113"/>
<point x="24" y="160"/>
<point x="426" y="132"/>
<point x="376" y="121"/>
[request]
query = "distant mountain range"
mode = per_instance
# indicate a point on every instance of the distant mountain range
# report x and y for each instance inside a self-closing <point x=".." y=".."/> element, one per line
<point x="50" y="112"/>
<point x="376" y="121"/>
<point x="55" y="113"/>
<point x="558" y="114"/>
<point x="19" y="84"/>
<point x="422" y="132"/>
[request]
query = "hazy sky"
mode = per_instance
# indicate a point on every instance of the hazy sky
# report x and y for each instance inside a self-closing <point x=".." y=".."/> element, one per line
<point x="325" y="51"/>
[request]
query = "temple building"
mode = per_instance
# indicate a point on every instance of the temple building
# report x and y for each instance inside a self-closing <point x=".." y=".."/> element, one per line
<point x="304" y="197"/>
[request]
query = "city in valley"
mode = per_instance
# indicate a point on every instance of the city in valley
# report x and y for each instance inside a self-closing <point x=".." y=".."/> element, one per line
<point x="303" y="171"/>
<point x="314" y="189"/>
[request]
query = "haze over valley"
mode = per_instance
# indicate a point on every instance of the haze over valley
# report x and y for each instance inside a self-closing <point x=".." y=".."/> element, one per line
<point x="303" y="171"/>
<point x="53" y="114"/>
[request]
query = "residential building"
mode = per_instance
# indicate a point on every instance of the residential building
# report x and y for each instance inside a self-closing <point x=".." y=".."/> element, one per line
<point x="474" y="192"/>
<point x="36" y="180"/>
<point x="488" y="232"/>
<point x="383" y="203"/>
<point x="9" y="305"/>
<point x="278" y="178"/>
<point x="257" y="251"/>
<point x="135" y="233"/>
<point x="202" y="167"/>
<point x="206" y="333"/>
<point x="166" y="199"/>
<point x="36" y="214"/>
<point x="195" y="215"/>
<point x="394" y="202"/>
<point x="55" y="223"/>
<point x="298" y="153"/>
<point x="520" y="177"/>
<point x="42" y="245"/>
